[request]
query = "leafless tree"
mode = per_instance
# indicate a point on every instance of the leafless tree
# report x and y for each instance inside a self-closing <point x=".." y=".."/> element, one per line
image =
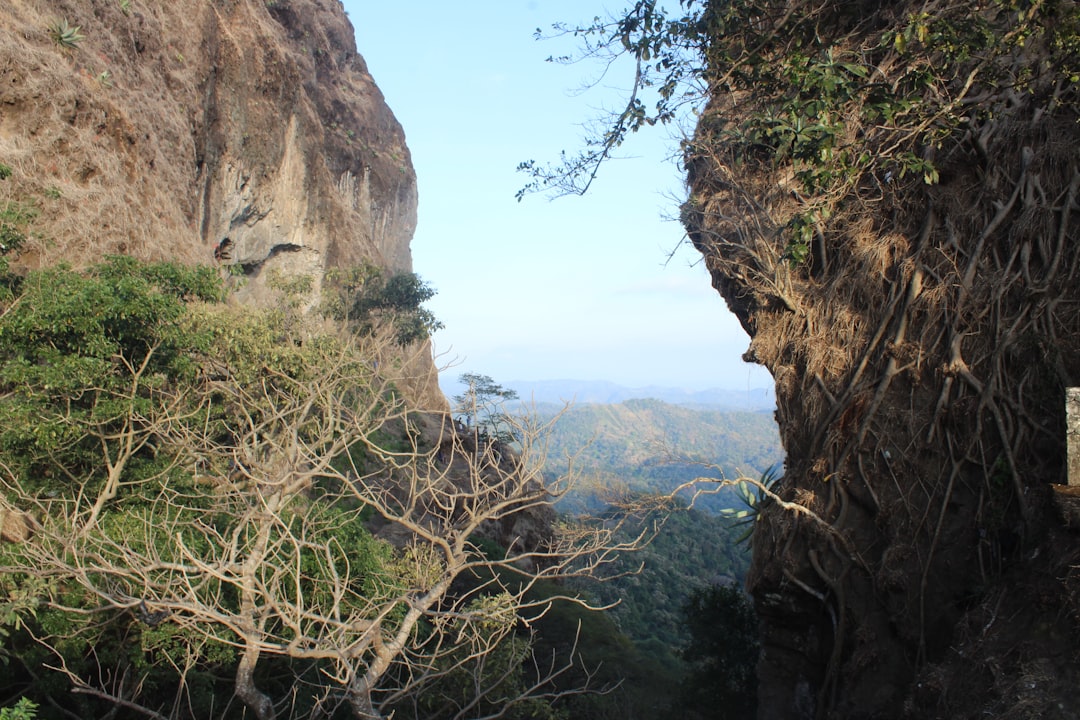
<point x="246" y="534"/>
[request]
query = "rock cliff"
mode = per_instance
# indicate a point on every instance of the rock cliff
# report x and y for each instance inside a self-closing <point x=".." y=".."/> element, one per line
<point x="241" y="132"/>
<point x="888" y="202"/>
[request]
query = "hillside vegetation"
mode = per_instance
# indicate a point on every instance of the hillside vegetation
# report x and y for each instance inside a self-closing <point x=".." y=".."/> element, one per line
<point x="646" y="446"/>
<point x="216" y="511"/>
<point x="649" y="446"/>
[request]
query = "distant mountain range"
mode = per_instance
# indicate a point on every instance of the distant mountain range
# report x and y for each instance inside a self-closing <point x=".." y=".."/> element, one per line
<point x="581" y="392"/>
<point x="653" y="446"/>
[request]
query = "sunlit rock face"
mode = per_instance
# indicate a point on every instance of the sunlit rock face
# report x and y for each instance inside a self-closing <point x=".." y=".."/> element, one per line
<point x="243" y="132"/>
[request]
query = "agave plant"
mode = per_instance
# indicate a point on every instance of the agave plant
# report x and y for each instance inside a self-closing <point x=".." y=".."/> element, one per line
<point x="754" y="495"/>
<point x="65" y="35"/>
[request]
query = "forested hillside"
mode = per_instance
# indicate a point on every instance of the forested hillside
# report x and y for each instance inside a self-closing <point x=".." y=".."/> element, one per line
<point x="657" y="595"/>
<point x="649" y="446"/>
<point x="692" y="550"/>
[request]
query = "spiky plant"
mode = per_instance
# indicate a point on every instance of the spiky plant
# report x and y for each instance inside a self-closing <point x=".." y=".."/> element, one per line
<point x="65" y="35"/>
<point x="754" y="494"/>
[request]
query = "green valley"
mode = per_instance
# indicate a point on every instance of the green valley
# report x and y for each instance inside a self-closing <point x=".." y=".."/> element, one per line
<point x="650" y="446"/>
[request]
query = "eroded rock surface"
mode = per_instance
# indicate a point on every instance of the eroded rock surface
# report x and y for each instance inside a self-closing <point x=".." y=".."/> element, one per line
<point x="172" y="129"/>
<point x="921" y="334"/>
<point x="238" y="132"/>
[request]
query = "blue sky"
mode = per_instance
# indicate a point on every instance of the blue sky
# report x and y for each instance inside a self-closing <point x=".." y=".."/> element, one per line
<point x="576" y="287"/>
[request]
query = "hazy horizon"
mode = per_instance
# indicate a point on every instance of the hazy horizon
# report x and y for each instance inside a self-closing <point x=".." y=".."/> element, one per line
<point x="605" y="392"/>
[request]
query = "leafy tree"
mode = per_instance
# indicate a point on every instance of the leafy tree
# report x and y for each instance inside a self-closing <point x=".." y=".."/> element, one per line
<point x="364" y="297"/>
<point x="82" y="355"/>
<point x="24" y="709"/>
<point x="482" y="407"/>
<point x="663" y="54"/>
<point x="201" y="484"/>
<point x="15" y="218"/>
<point x="722" y="655"/>
<point x="690" y="550"/>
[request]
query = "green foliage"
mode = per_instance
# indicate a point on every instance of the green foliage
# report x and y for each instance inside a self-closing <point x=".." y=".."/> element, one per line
<point x="5" y="171"/>
<point x="631" y="447"/>
<point x="364" y="296"/>
<point x="691" y="549"/>
<point x="14" y="219"/>
<point x="850" y="99"/>
<point x="68" y="348"/>
<point x="662" y="49"/>
<point x="80" y="355"/>
<point x="754" y="497"/>
<point x="627" y="683"/>
<point x="722" y="655"/>
<point x="19" y="599"/>
<point x="24" y="709"/>
<point x="127" y="384"/>
<point x="64" y="35"/>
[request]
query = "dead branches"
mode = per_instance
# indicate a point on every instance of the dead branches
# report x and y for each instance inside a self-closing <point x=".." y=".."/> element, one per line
<point x="236" y="518"/>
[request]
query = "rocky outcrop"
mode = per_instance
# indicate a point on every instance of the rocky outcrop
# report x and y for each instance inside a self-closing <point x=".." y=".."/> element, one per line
<point x="921" y="328"/>
<point x="243" y="132"/>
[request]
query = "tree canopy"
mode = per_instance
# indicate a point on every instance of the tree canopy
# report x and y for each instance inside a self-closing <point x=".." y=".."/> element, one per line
<point x="216" y="511"/>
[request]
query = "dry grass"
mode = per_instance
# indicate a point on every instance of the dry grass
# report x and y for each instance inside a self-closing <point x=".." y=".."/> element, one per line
<point x="108" y="164"/>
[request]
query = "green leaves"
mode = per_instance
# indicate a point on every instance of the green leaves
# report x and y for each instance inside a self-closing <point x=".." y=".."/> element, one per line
<point x="14" y="219"/>
<point x="137" y="418"/>
<point x="64" y="35"/>
<point x="364" y="296"/>
<point x="69" y="330"/>
<point x="754" y="495"/>
<point x="24" y="709"/>
<point x="664" y="53"/>
<point x="82" y="350"/>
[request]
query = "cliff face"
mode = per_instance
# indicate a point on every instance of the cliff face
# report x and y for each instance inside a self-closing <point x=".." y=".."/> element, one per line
<point x="242" y="132"/>
<point x="921" y="332"/>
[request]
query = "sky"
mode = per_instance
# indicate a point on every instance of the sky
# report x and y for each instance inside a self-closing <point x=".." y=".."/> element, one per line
<point x="599" y="287"/>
